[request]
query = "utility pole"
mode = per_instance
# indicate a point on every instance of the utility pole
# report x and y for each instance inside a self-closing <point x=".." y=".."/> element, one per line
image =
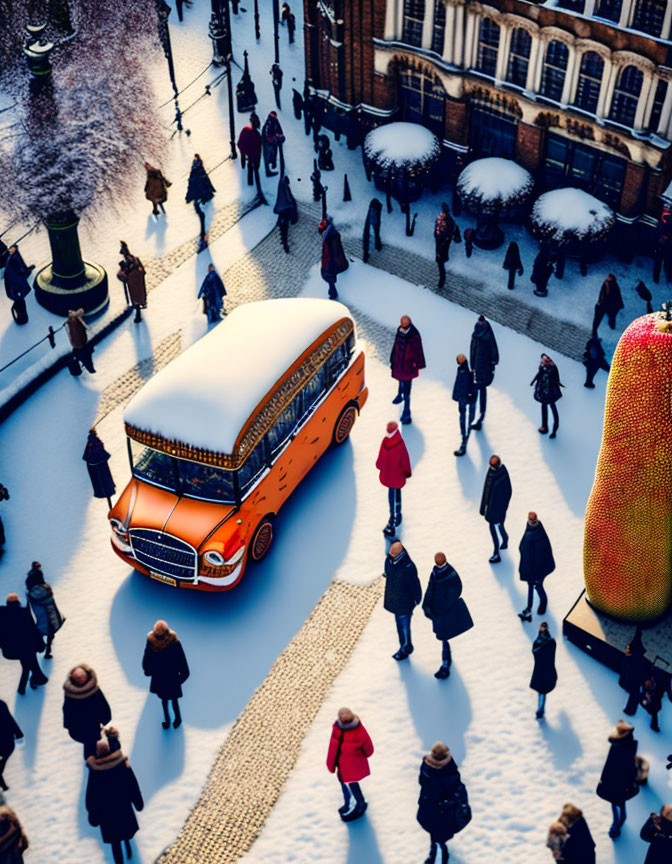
<point x="162" y="12"/>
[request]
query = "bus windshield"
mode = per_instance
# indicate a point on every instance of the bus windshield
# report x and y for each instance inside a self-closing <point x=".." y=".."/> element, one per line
<point x="182" y="477"/>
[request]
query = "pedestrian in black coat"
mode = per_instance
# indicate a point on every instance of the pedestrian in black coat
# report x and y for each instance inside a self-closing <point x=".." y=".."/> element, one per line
<point x="579" y="846"/>
<point x="112" y="797"/>
<point x="657" y="684"/>
<point x="85" y="708"/>
<point x="536" y="562"/>
<point x="483" y="357"/>
<point x="372" y="223"/>
<point x="13" y="842"/>
<point x="544" y="675"/>
<point x="41" y="599"/>
<point x="4" y="496"/>
<point x="594" y="359"/>
<point x="547" y="392"/>
<point x="164" y="661"/>
<point x="97" y="458"/>
<point x="272" y="138"/>
<point x="618" y="782"/>
<point x="634" y="672"/>
<point x="657" y="831"/>
<point x="291" y="27"/>
<point x="308" y="102"/>
<point x="442" y="798"/>
<point x="17" y="286"/>
<point x="212" y="292"/>
<point x="495" y="502"/>
<point x="609" y="303"/>
<point x="464" y="393"/>
<point x="9" y="732"/>
<point x="402" y="594"/>
<point x="444" y="606"/>
<point x="199" y="191"/>
<point x="297" y="103"/>
<point x="286" y="209"/>
<point x="645" y="294"/>
<point x="542" y="270"/>
<point x="21" y="640"/>
<point x="469" y="234"/>
<point x="512" y="263"/>
<point x="445" y="231"/>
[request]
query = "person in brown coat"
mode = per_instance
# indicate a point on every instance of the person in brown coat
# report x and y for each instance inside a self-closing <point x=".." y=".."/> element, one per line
<point x="609" y="303"/>
<point x="156" y="188"/>
<point x="13" y="842"/>
<point x="81" y="350"/>
<point x="132" y="275"/>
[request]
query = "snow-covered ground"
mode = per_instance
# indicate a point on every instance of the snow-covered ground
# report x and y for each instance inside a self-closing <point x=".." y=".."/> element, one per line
<point x="519" y="772"/>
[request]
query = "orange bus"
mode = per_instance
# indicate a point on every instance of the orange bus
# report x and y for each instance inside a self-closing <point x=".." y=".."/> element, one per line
<point x="220" y="438"/>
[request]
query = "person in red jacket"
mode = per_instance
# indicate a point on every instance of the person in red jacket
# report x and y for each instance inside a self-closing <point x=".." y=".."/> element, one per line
<point x="249" y="144"/>
<point x="394" y="465"/>
<point x="406" y="360"/>
<point x="348" y="756"/>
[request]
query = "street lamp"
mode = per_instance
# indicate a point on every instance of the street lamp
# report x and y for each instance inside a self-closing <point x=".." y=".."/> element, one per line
<point x="257" y="32"/>
<point x="220" y="33"/>
<point x="276" y="24"/>
<point x="162" y="13"/>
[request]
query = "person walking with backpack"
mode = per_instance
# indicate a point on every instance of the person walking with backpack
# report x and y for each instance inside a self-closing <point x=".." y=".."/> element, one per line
<point x="165" y="663"/>
<point x="495" y="502"/>
<point x="618" y="782"/>
<point x="544" y="675"/>
<point x="403" y="592"/>
<point x="464" y="393"/>
<point x="483" y="357"/>
<point x="394" y="465"/>
<point x="444" y="606"/>
<point x="536" y="563"/>
<point x="350" y="749"/>
<point x="41" y="600"/>
<point x="547" y="392"/>
<point x="407" y="358"/>
<point x="443" y="806"/>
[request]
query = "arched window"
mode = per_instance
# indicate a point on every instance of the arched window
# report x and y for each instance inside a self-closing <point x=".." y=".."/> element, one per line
<point x="608" y="9"/>
<point x="553" y="72"/>
<point x="439" y="26"/>
<point x="649" y="16"/>
<point x="488" y="46"/>
<point x="519" y="57"/>
<point x="414" y="15"/>
<point x="657" y="107"/>
<point x="626" y="96"/>
<point x="422" y="99"/>
<point x="590" y="81"/>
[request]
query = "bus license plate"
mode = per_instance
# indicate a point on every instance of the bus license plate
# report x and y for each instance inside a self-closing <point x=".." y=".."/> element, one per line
<point x="161" y="578"/>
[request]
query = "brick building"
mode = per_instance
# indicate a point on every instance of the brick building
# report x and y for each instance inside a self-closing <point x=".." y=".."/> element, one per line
<point x="577" y="91"/>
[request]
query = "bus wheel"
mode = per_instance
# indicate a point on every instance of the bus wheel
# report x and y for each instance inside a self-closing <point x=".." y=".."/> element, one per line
<point x="344" y="425"/>
<point x="261" y="542"/>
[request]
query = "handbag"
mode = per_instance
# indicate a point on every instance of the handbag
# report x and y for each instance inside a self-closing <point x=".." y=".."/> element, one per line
<point x="461" y="808"/>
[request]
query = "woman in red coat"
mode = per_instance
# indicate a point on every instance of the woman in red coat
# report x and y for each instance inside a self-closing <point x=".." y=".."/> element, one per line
<point x="348" y="756"/>
<point x="394" y="465"/>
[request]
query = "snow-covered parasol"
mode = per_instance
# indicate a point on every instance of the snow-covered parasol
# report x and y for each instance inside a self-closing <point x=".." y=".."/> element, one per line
<point x="489" y="186"/>
<point x="571" y="216"/>
<point x="400" y="155"/>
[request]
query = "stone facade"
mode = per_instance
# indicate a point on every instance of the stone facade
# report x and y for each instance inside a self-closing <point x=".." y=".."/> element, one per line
<point x="574" y="91"/>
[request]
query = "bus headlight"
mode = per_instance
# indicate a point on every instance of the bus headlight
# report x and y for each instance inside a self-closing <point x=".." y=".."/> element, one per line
<point x="118" y="527"/>
<point x="214" y="559"/>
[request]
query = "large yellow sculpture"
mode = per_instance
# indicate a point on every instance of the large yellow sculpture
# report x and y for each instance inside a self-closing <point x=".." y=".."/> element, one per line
<point x="628" y="528"/>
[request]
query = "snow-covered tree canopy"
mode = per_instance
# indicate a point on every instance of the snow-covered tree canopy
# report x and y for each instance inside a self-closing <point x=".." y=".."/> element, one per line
<point x="398" y="148"/>
<point x="570" y="214"/>
<point x="493" y="184"/>
<point x="85" y="136"/>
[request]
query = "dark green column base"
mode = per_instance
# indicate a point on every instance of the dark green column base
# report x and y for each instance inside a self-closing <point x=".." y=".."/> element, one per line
<point x="92" y="296"/>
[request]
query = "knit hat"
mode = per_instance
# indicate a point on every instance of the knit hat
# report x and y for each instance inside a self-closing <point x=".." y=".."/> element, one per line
<point x="621" y="729"/>
<point x="439" y="756"/>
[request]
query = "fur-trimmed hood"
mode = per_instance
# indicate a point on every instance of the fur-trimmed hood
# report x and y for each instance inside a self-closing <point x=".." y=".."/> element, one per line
<point x="352" y="725"/>
<point x="160" y="643"/>
<point x="106" y="763"/>
<point x="72" y="691"/>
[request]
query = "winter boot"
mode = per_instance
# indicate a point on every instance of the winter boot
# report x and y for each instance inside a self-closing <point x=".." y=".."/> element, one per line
<point x="442" y="672"/>
<point x="357" y="812"/>
<point x="462" y="449"/>
<point x="401" y="654"/>
<point x="494" y="558"/>
<point x="477" y="425"/>
<point x="397" y="399"/>
<point x="525" y="615"/>
<point x="177" y="722"/>
<point x="388" y="530"/>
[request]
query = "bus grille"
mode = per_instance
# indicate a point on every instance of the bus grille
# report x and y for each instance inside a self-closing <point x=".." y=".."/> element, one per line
<point x="163" y="553"/>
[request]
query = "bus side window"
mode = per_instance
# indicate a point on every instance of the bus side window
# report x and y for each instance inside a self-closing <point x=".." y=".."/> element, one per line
<point x="313" y="390"/>
<point x="252" y="467"/>
<point x="284" y="425"/>
<point x="336" y="363"/>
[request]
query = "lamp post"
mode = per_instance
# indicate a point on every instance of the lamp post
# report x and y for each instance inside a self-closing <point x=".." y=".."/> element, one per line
<point x="162" y="13"/>
<point x="276" y="24"/>
<point x="220" y="33"/>
<point x="257" y="32"/>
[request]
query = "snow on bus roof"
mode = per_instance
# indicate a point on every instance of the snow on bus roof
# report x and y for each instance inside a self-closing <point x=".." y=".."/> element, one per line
<point x="205" y="396"/>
